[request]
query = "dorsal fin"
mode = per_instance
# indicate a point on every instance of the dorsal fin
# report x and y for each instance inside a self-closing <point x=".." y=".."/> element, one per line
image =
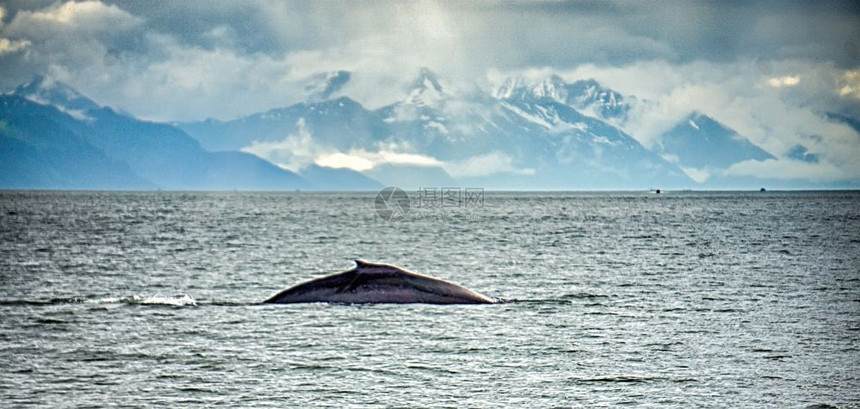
<point x="364" y="266"/>
<point x="359" y="263"/>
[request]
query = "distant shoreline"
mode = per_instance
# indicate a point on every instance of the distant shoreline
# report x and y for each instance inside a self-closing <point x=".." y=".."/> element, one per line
<point x="503" y="191"/>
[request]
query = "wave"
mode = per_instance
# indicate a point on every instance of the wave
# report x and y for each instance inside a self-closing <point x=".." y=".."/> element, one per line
<point x="180" y="300"/>
<point x="175" y="301"/>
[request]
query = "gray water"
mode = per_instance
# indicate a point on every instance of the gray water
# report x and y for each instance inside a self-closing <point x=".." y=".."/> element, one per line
<point x="674" y="300"/>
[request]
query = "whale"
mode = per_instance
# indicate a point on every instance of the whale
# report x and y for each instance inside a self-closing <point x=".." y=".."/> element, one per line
<point x="377" y="283"/>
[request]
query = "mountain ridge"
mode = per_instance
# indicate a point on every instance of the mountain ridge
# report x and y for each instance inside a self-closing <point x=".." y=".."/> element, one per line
<point x="539" y="134"/>
<point x="531" y="134"/>
<point x="124" y="152"/>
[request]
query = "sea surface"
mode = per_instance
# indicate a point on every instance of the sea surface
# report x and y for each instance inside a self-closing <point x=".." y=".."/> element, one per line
<point x="682" y="299"/>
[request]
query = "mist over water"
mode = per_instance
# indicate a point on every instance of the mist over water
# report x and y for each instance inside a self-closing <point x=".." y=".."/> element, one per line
<point x="721" y="299"/>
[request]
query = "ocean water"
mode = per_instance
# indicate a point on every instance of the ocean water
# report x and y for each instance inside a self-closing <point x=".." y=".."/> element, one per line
<point x="684" y="299"/>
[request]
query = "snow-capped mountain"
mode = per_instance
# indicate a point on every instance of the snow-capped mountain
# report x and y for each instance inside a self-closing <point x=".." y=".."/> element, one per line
<point x="591" y="98"/>
<point x="427" y="89"/>
<point x="699" y="141"/>
<point x="522" y="135"/>
<point x="574" y="144"/>
<point x="342" y="122"/>
<point x="705" y="148"/>
<point x="516" y="88"/>
<point x="425" y="118"/>
<point x="45" y="91"/>
<point x="700" y="145"/>
<point x="586" y="96"/>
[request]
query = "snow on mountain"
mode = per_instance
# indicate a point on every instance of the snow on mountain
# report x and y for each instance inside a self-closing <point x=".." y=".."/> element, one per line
<point x="340" y="123"/>
<point x="427" y="89"/>
<point x="428" y="120"/>
<point x="700" y="141"/>
<point x="567" y="144"/>
<point x="525" y="134"/>
<point x="533" y="134"/>
<point x="705" y="148"/>
<point x="545" y="142"/>
<point x="701" y="146"/>
<point x="516" y="88"/>
<point x="586" y="96"/>
<point x="591" y="98"/>
<point x="45" y="91"/>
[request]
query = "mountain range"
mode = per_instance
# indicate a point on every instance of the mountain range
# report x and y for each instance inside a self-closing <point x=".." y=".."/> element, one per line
<point x="55" y="138"/>
<point x="523" y="134"/>
<point x="545" y="134"/>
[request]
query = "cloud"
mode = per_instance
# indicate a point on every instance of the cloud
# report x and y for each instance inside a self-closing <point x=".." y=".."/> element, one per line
<point x="772" y="75"/>
<point x="473" y="35"/>
<point x="295" y="152"/>
<point x="784" y="81"/>
<point x="785" y="169"/>
<point x="736" y="94"/>
<point x="362" y="159"/>
<point x="10" y="46"/>
<point x="777" y="105"/>
<point x="484" y="165"/>
<point x="82" y="42"/>
<point x="90" y="15"/>
<point x="481" y="165"/>
<point x="298" y="151"/>
<point x="340" y="160"/>
<point x="260" y="50"/>
<point x="698" y="175"/>
<point x="850" y="84"/>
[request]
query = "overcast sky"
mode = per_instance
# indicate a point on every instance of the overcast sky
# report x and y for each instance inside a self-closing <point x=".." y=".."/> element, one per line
<point x="768" y="69"/>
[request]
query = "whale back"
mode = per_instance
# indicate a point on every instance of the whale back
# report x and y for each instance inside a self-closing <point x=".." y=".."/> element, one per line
<point x="379" y="283"/>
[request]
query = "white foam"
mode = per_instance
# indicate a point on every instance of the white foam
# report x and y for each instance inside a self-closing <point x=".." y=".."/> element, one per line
<point x="180" y="300"/>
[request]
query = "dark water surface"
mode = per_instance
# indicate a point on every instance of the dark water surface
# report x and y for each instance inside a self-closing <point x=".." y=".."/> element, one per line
<point x="672" y="300"/>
